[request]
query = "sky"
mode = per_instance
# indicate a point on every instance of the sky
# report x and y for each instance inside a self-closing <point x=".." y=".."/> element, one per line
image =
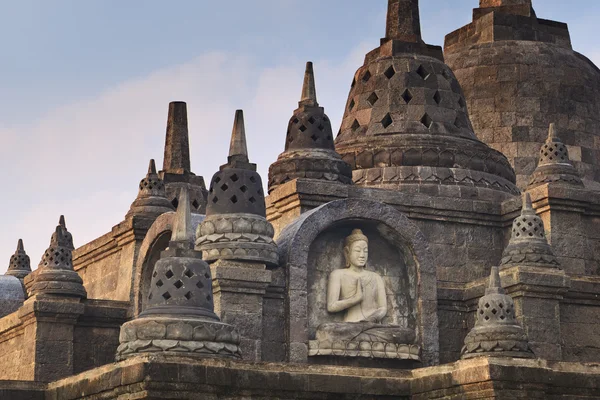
<point x="85" y="87"/>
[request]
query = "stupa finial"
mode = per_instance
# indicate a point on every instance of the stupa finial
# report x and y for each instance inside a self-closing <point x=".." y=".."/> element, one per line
<point x="177" y="146"/>
<point x="309" y="90"/>
<point x="309" y="148"/>
<point x="183" y="218"/>
<point x="495" y="285"/>
<point x="61" y="222"/>
<point x="403" y="22"/>
<point x="527" y="204"/>
<point x="152" y="167"/>
<point x="553" y="133"/>
<point x="19" y="262"/>
<point x="503" y="3"/>
<point x="238" y="149"/>
<point x="516" y="7"/>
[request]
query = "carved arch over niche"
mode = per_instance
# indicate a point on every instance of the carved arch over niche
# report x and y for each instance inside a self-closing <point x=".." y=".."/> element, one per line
<point x="156" y="240"/>
<point x="296" y="241"/>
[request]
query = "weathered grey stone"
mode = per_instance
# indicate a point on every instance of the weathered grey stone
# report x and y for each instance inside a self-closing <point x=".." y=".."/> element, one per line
<point x="497" y="332"/>
<point x="152" y="197"/>
<point x="309" y="253"/>
<point x="19" y="265"/>
<point x="509" y="61"/>
<point x="528" y="244"/>
<point x="179" y="318"/>
<point x="554" y="165"/>
<point x="423" y="136"/>
<point x="235" y="227"/>
<point x="360" y="295"/>
<point x="55" y="274"/>
<point x="309" y="150"/>
<point x="435" y="272"/>
<point x="176" y="172"/>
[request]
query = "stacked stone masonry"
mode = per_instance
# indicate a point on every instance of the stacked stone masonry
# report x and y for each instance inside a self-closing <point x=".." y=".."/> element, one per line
<point x="519" y="74"/>
<point x="445" y="245"/>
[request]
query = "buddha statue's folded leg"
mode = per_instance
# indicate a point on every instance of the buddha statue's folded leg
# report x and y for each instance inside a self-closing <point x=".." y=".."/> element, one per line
<point x="365" y="332"/>
<point x="386" y="334"/>
<point x="345" y="331"/>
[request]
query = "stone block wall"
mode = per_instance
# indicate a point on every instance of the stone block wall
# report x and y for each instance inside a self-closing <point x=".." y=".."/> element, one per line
<point x="572" y="227"/>
<point x="463" y="252"/>
<point x="273" y="319"/>
<point x="18" y="390"/>
<point x="452" y="318"/>
<point x="580" y="324"/>
<point x="41" y="342"/>
<point x="94" y="346"/>
<point x="96" y="335"/>
<point x="100" y="277"/>
<point x="516" y="86"/>
<point x="592" y="260"/>
<point x="106" y="264"/>
<point x="16" y="350"/>
<point x="483" y="378"/>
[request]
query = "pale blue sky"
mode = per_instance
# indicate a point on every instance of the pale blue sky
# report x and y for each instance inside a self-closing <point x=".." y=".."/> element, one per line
<point x="85" y="84"/>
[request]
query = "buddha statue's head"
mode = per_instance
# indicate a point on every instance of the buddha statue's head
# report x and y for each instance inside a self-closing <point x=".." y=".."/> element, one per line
<point x="356" y="249"/>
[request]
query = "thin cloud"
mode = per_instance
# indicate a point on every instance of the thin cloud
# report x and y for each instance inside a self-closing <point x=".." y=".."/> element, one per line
<point x="84" y="160"/>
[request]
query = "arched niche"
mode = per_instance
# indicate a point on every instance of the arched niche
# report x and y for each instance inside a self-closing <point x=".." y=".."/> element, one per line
<point x="387" y="258"/>
<point x="156" y="241"/>
<point x="311" y="247"/>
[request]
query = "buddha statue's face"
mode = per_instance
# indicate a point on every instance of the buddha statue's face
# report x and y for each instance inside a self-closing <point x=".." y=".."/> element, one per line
<point x="357" y="254"/>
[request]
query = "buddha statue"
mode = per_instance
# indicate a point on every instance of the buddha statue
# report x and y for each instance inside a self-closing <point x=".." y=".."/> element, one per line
<point x="355" y="290"/>
<point x="360" y="294"/>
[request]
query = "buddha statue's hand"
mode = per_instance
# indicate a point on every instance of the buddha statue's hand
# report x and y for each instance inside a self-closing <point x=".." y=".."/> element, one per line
<point x="358" y="295"/>
<point x="376" y="316"/>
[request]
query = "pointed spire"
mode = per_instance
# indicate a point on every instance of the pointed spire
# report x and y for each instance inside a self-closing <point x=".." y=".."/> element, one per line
<point x="309" y="90"/>
<point x="65" y="236"/>
<point x="177" y="146"/>
<point x="552" y="133"/>
<point x="151" y="200"/>
<point x="528" y="244"/>
<point x="554" y="165"/>
<point x="403" y="21"/>
<point x="55" y="274"/>
<point x="309" y="146"/>
<point x="527" y="204"/>
<point x="495" y="285"/>
<point x="152" y="167"/>
<point x="20" y="265"/>
<point x="236" y="197"/>
<point x="497" y="332"/>
<point x="238" y="150"/>
<point x="182" y="224"/>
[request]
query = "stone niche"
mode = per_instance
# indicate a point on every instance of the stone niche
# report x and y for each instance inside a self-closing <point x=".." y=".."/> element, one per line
<point x="399" y="262"/>
<point x="387" y="258"/>
<point x="156" y="241"/>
